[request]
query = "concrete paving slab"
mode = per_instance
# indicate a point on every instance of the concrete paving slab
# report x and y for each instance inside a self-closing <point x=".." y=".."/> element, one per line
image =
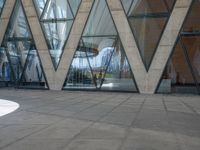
<point x="73" y="120"/>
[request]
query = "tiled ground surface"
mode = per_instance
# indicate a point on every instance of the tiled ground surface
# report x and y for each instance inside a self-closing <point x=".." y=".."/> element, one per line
<point x="61" y="120"/>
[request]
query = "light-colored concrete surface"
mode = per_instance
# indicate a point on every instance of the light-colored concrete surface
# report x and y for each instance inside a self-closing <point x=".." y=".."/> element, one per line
<point x="7" y="107"/>
<point x="63" y="120"/>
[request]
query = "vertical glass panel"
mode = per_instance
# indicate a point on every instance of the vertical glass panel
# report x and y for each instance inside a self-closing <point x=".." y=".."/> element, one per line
<point x="18" y="26"/>
<point x="147" y="32"/>
<point x="80" y="74"/>
<point x="1" y="5"/>
<point x="99" y="51"/>
<point x="192" y="45"/>
<point x="5" y="70"/>
<point x="94" y="66"/>
<point x="192" y="23"/>
<point x="33" y="76"/>
<point x="40" y="4"/>
<point x="118" y="75"/>
<point x="147" y="20"/>
<point x="19" y="46"/>
<point x="56" y="34"/>
<point x="100" y="21"/>
<point x="57" y="9"/>
<point x="74" y="4"/>
<point x="57" y="17"/>
<point x="148" y="6"/>
<point x="177" y="77"/>
<point x="18" y="52"/>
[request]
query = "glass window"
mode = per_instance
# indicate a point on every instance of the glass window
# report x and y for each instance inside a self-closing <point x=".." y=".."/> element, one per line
<point x="99" y="62"/>
<point x="56" y="17"/>
<point x="40" y="4"/>
<point x="177" y="77"/>
<point x="57" y="9"/>
<point x="100" y="21"/>
<point x="147" y="20"/>
<point x="20" y="63"/>
<point x="5" y="71"/>
<point x="182" y="73"/>
<point x="192" y="23"/>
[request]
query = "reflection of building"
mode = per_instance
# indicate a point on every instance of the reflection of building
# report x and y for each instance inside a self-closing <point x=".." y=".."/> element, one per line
<point x="129" y="45"/>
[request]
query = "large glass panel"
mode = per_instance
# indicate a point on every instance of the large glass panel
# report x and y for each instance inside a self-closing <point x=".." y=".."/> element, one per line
<point x="56" y="34"/>
<point x="147" y="20"/>
<point x="80" y="73"/>
<point x="192" y="45"/>
<point x="40" y="4"/>
<point x="56" y="17"/>
<point x="6" y="77"/>
<point x="99" y="51"/>
<point x="18" y="51"/>
<point x="147" y="33"/>
<point x="57" y="9"/>
<point x="74" y="4"/>
<point x="99" y="62"/>
<point x="19" y="46"/>
<point x="177" y="77"/>
<point x="100" y="21"/>
<point x="182" y="73"/>
<point x="118" y="75"/>
<point x="18" y="26"/>
<point x="32" y="75"/>
<point x="192" y="23"/>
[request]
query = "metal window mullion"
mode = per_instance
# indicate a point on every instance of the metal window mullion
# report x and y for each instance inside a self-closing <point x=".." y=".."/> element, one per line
<point x="44" y="10"/>
<point x="167" y="6"/>
<point x="10" y="64"/>
<point x="73" y="15"/>
<point x="129" y="8"/>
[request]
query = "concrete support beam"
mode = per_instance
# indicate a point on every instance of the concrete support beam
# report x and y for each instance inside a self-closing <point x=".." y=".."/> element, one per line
<point x="167" y="43"/>
<point x="56" y="78"/>
<point x="147" y="81"/>
<point x="5" y="17"/>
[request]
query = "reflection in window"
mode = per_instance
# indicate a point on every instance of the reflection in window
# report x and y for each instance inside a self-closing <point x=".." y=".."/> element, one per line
<point x="56" y="17"/>
<point x="5" y="70"/>
<point x="20" y="63"/>
<point x="99" y="62"/>
<point x="147" y="20"/>
<point x="182" y="73"/>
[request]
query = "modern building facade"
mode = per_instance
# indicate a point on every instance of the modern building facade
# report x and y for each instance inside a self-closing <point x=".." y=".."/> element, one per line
<point x="145" y="46"/>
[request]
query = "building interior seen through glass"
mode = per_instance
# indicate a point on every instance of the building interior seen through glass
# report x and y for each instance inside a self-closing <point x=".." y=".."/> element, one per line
<point x="20" y="64"/>
<point x="147" y="19"/>
<point x="100" y="62"/>
<point x="56" y="18"/>
<point x="182" y="73"/>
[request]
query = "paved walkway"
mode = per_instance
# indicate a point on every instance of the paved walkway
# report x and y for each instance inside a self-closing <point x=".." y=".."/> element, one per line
<point x="49" y="120"/>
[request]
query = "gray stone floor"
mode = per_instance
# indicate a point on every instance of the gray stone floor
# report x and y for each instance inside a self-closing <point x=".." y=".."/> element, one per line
<point x="63" y="120"/>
